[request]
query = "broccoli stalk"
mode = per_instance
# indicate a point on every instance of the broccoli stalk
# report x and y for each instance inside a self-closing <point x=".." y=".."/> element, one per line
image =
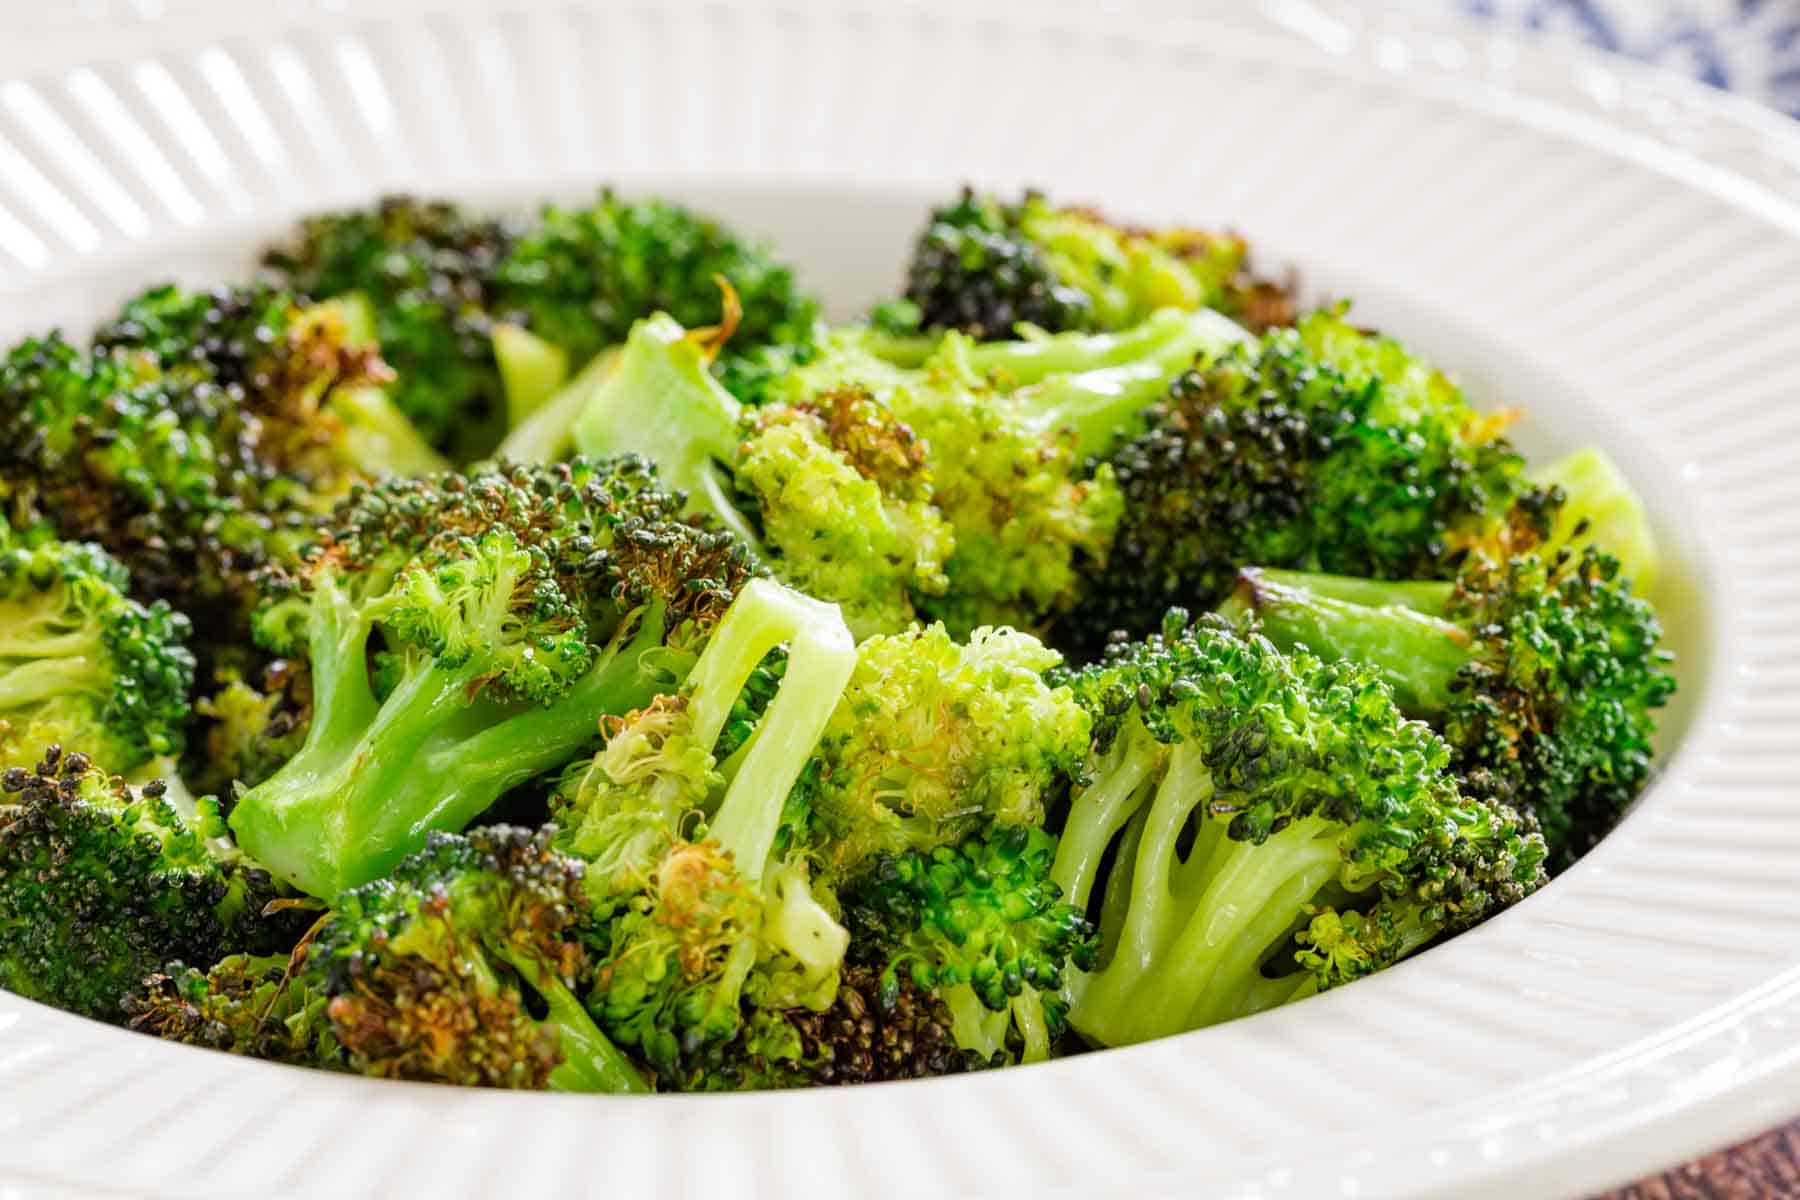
<point x="701" y="911"/>
<point x="1285" y="829"/>
<point x="512" y="611"/>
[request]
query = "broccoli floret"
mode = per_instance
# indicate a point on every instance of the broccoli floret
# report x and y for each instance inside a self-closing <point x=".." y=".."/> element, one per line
<point x="512" y="608"/>
<point x="423" y="270"/>
<point x="245" y="1004"/>
<point x="1539" y="665"/>
<point x="582" y="277"/>
<point x="1285" y="829"/>
<point x="464" y="966"/>
<point x="985" y="267"/>
<point x="102" y="883"/>
<point x="989" y="468"/>
<point x="203" y="438"/>
<point x="844" y="494"/>
<point x="714" y="922"/>
<point x="443" y="284"/>
<point x="933" y="741"/>
<point x="982" y="926"/>
<point x="83" y="664"/>
<point x="1323" y="448"/>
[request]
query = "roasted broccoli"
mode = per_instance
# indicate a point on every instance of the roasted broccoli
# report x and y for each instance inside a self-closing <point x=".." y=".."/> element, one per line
<point x="245" y="1004"/>
<point x="102" y="883"/>
<point x="504" y="613"/>
<point x="982" y="927"/>
<point x="82" y="663"/>
<point x="716" y="926"/>
<point x="1284" y="829"/>
<point x="451" y="293"/>
<point x="464" y="965"/>
<point x="1322" y="448"/>
<point x="1538" y="663"/>
<point x="985" y="267"/>
<point x="956" y="487"/>
<point x="935" y="740"/>
<point x="202" y="439"/>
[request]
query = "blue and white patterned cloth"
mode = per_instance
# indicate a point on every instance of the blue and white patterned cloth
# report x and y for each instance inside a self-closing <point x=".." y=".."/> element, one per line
<point x="1746" y="46"/>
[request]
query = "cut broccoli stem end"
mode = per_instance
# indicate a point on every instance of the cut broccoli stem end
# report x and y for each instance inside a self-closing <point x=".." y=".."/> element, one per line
<point x="1418" y="655"/>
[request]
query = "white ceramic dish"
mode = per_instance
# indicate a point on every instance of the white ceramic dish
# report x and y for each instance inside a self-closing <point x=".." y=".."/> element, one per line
<point x="1617" y="250"/>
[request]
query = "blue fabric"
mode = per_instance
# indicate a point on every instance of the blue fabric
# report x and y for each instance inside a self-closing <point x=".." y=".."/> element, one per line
<point x="1747" y="46"/>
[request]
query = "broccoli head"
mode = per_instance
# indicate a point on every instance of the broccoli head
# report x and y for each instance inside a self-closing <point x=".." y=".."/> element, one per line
<point x="82" y="663"/>
<point x="202" y="439"/>
<point x="933" y="741"/>
<point x="505" y="613"/>
<point x="985" y="267"/>
<point x="463" y="966"/>
<point x="1539" y="665"/>
<point x="1322" y="448"/>
<point x="423" y="272"/>
<point x="102" y="883"/>
<point x="1270" y="826"/>
<point x="981" y="926"/>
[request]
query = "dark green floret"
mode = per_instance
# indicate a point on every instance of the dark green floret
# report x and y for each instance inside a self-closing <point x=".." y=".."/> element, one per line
<point x="245" y="1004"/>
<point x="102" y="883"/>
<point x="985" y="266"/>
<point x="981" y="926"/>
<point x="1322" y="448"/>
<point x="1270" y="826"/>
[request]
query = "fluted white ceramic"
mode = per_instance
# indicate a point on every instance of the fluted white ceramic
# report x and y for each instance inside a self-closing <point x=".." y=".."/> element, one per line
<point x="1615" y="250"/>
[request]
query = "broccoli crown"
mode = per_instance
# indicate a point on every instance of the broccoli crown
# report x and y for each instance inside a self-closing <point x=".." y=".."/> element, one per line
<point x="1555" y="708"/>
<point x="460" y="966"/>
<point x="202" y="438"/>
<point x="245" y="1004"/>
<point x="1322" y="448"/>
<point x="513" y="608"/>
<point x="426" y="271"/>
<point x="1263" y="800"/>
<point x="843" y="491"/>
<point x="583" y="276"/>
<point x="984" y="267"/>
<point x="102" y="884"/>
<point x="980" y="921"/>
<point x="83" y="664"/>
<point x="933" y="740"/>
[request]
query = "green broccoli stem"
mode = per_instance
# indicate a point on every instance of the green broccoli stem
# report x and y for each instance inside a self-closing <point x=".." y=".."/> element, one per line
<point x="661" y="401"/>
<point x="548" y="433"/>
<point x="1119" y="789"/>
<point x="1191" y="947"/>
<point x="1390" y="626"/>
<point x="591" y="1062"/>
<point x="821" y="656"/>
<point x="1097" y="385"/>
<point x="374" y="778"/>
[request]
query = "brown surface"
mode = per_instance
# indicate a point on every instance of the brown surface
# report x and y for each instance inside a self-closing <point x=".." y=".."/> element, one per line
<point x="1765" y="1168"/>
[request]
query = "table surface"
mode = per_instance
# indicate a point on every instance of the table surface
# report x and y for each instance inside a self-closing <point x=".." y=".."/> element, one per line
<point x="1764" y="1168"/>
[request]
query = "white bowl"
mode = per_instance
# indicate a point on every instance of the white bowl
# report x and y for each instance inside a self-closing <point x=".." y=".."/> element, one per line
<point x="1616" y="250"/>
